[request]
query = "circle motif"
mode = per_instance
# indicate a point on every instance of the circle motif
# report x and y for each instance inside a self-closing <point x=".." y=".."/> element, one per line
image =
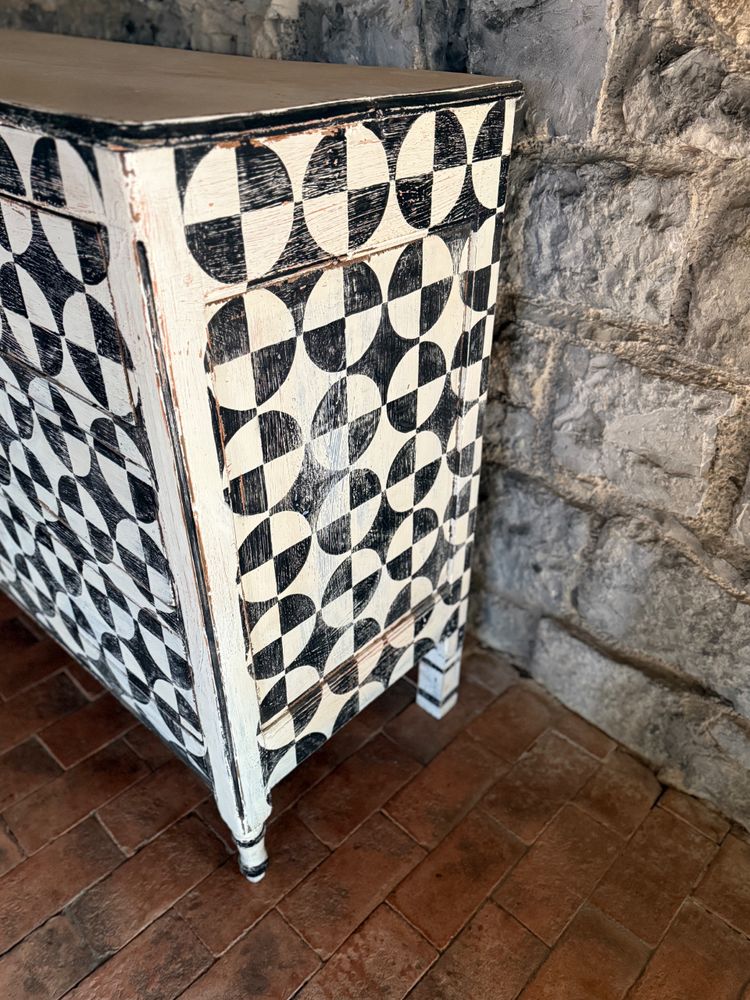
<point x="238" y="211"/>
<point x="345" y="189"/>
<point x="431" y="168"/>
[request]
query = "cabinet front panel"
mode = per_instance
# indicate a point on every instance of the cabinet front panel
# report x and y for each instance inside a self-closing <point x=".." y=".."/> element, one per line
<point x="344" y="398"/>
<point x="55" y="305"/>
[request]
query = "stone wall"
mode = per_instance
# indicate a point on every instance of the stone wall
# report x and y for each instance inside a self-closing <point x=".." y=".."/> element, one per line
<point x="615" y="564"/>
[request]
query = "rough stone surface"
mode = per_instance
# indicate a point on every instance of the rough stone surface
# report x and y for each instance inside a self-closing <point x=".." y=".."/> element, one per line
<point x="698" y="745"/>
<point x="517" y="384"/>
<point x="599" y="236"/>
<point x="718" y="318"/>
<point x="692" y="99"/>
<point x="503" y="625"/>
<point x="527" y="38"/>
<point x="534" y="540"/>
<point x="652" y="437"/>
<point x="627" y="597"/>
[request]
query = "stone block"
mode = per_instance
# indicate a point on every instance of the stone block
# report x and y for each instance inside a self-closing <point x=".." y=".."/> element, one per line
<point x="600" y="237"/>
<point x="649" y="601"/>
<point x="698" y="745"/>
<point x="718" y="330"/>
<point x="517" y="380"/>
<point x="502" y="625"/>
<point x="689" y="99"/>
<point x="653" y="438"/>
<point x="532" y="542"/>
<point x="556" y="48"/>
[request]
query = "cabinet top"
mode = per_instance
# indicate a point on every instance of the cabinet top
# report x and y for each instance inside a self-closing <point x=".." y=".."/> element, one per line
<point x="118" y="93"/>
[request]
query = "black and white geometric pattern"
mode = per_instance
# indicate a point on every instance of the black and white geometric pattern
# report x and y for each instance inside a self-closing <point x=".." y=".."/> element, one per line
<point x="94" y="494"/>
<point x="56" y="306"/>
<point x="264" y="206"/>
<point x="349" y="406"/>
<point x="80" y="544"/>
<point x="138" y="655"/>
<point x="52" y="172"/>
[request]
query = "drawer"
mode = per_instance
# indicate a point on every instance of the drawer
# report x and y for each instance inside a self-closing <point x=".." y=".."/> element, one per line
<point x="56" y="307"/>
<point x="143" y="659"/>
<point x="92" y="498"/>
<point x="348" y="405"/>
<point x="271" y="205"/>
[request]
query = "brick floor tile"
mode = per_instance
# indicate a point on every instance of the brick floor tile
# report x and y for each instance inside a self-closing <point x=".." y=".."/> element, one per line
<point x="548" y="885"/>
<point x="644" y="888"/>
<point x="698" y="814"/>
<point x="149" y="747"/>
<point x="10" y="852"/>
<point x="160" y="963"/>
<point x="81" y="733"/>
<point x="441" y="794"/>
<point x="27" y="713"/>
<point x="348" y="885"/>
<point x="155" y="802"/>
<point x="388" y="705"/>
<point x="209" y="813"/>
<point x="700" y="958"/>
<point x="42" y="884"/>
<point x="423" y="736"/>
<point x="61" y="803"/>
<point x="320" y="764"/>
<point x="358" y="786"/>
<point x="270" y="963"/>
<point x="24" y="666"/>
<point x="587" y="737"/>
<point x="23" y="769"/>
<point x="725" y="888"/>
<point x="491" y="959"/>
<point x="16" y="640"/>
<point x="526" y="798"/>
<point x="441" y="894"/>
<point x="111" y="913"/>
<point x="8" y="610"/>
<point x="85" y="681"/>
<point x="381" y="960"/>
<point x="594" y="958"/>
<point x="488" y="668"/>
<point x="512" y="723"/>
<point x="46" y="963"/>
<point x="222" y="907"/>
<point x="620" y="794"/>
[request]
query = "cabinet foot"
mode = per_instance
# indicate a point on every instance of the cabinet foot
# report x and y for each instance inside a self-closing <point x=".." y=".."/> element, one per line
<point x="437" y="684"/>
<point x="252" y="855"/>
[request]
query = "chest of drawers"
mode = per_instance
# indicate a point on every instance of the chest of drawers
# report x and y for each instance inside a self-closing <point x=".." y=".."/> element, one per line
<point x="246" y="310"/>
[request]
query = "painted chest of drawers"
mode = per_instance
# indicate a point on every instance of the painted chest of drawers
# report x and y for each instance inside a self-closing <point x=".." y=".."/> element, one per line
<point x="247" y="310"/>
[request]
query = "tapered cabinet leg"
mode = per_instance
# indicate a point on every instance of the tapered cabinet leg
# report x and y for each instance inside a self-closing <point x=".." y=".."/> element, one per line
<point x="439" y="674"/>
<point x="252" y="854"/>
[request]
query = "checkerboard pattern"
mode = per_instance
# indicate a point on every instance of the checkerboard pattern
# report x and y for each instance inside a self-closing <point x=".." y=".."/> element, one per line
<point x="277" y="205"/>
<point x="80" y="543"/>
<point x="349" y="401"/>
<point x="134" y="652"/>
<point x="56" y="311"/>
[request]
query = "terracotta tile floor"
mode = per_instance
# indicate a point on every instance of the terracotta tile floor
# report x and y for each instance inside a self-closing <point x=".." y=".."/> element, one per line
<point x="509" y="851"/>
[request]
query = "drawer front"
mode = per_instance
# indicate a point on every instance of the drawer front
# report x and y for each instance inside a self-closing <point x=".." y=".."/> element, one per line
<point x="91" y="496"/>
<point x="348" y="407"/>
<point x="55" y="305"/>
<point x="273" y="204"/>
<point x="138" y="656"/>
<point x="55" y="173"/>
